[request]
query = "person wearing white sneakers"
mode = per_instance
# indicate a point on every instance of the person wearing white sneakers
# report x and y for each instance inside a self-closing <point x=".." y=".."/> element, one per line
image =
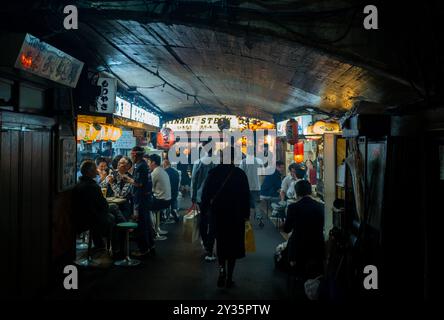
<point x="161" y="190"/>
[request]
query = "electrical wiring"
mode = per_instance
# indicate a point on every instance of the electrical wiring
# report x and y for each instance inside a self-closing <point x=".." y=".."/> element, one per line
<point x="165" y="82"/>
<point x="140" y="65"/>
<point x="108" y="69"/>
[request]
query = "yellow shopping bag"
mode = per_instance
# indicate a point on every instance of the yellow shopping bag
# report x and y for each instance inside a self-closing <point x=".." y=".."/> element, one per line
<point x="250" y="244"/>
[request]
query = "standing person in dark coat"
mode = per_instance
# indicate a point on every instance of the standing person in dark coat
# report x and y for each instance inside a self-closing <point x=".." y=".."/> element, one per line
<point x="142" y="192"/>
<point x="226" y="198"/>
<point x="305" y="221"/>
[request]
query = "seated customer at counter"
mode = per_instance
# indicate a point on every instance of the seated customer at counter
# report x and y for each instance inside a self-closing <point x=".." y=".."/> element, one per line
<point x="91" y="211"/>
<point x="119" y="181"/>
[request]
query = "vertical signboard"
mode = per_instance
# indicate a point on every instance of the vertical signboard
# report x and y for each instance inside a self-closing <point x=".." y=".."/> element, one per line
<point x="106" y="103"/>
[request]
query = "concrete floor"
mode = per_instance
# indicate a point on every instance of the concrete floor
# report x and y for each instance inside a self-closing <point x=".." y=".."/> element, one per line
<point x="179" y="272"/>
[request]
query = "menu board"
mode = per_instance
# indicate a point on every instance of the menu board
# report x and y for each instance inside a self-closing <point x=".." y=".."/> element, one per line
<point x="126" y="141"/>
<point x="44" y="60"/>
<point x="67" y="163"/>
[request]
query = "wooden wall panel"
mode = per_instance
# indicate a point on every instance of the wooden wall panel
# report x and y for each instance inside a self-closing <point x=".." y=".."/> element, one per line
<point x="9" y="212"/>
<point x="25" y="161"/>
<point x="25" y="216"/>
<point x="35" y="227"/>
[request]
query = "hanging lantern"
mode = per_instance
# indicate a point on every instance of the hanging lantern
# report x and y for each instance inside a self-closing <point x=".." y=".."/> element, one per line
<point x="102" y="133"/>
<point x="310" y="129"/>
<point x="81" y="131"/>
<point x="321" y="127"/>
<point x="165" y="138"/>
<point x="116" y="134"/>
<point x="91" y="133"/>
<point x="292" y="131"/>
<point x="298" y="152"/>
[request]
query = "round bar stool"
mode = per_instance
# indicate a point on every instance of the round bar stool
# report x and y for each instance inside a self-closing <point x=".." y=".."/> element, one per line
<point x="88" y="261"/>
<point x="83" y="244"/>
<point x="127" y="261"/>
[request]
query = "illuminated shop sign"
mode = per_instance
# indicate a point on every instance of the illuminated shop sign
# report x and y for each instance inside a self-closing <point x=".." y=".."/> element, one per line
<point x="44" y="60"/>
<point x="144" y="116"/>
<point x="217" y="123"/>
<point x="106" y="102"/>
<point x="131" y="111"/>
<point x="123" y="108"/>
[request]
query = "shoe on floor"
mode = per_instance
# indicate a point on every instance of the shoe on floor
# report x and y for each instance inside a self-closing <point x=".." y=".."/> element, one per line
<point x="230" y="284"/>
<point x="221" y="280"/>
<point x="210" y="258"/>
<point x="160" y="238"/>
<point x="152" y="252"/>
<point x="139" y="253"/>
<point x="162" y="232"/>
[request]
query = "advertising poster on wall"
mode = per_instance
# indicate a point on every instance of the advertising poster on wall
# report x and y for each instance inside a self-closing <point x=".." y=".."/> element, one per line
<point x="67" y="168"/>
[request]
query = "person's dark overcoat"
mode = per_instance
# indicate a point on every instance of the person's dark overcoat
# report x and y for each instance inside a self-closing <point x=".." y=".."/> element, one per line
<point x="228" y="207"/>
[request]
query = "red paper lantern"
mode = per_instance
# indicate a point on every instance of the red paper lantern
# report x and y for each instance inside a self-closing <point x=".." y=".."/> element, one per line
<point x="165" y="138"/>
<point x="291" y="129"/>
<point x="298" y="152"/>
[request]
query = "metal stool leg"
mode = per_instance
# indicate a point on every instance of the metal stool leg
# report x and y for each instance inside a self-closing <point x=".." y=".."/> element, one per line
<point x="86" y="262"/>
<point x="84" y="243"/>
<point x="158" y="230"/>
<point x="127" y="262"/>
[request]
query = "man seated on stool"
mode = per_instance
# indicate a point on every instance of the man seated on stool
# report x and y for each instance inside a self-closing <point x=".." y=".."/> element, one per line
<point x="161" y="185"/>
<point x="90" y="207"/>
<point x="271" y="186"/>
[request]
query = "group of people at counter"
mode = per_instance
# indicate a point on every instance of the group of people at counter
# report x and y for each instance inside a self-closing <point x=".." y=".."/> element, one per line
<point x="144" y="185"/>
<point x="226" y="195"/>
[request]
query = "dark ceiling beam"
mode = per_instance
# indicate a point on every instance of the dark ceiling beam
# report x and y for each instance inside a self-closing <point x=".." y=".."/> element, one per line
<point x="308" y="110"/>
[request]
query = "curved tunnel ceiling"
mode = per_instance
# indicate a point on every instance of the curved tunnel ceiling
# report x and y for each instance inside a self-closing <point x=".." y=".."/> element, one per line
<point x="251" y="75"/>
<point x="231" y="60"/>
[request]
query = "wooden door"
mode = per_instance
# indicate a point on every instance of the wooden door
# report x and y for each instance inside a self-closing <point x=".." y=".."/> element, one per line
<point x="25" y="216"/>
